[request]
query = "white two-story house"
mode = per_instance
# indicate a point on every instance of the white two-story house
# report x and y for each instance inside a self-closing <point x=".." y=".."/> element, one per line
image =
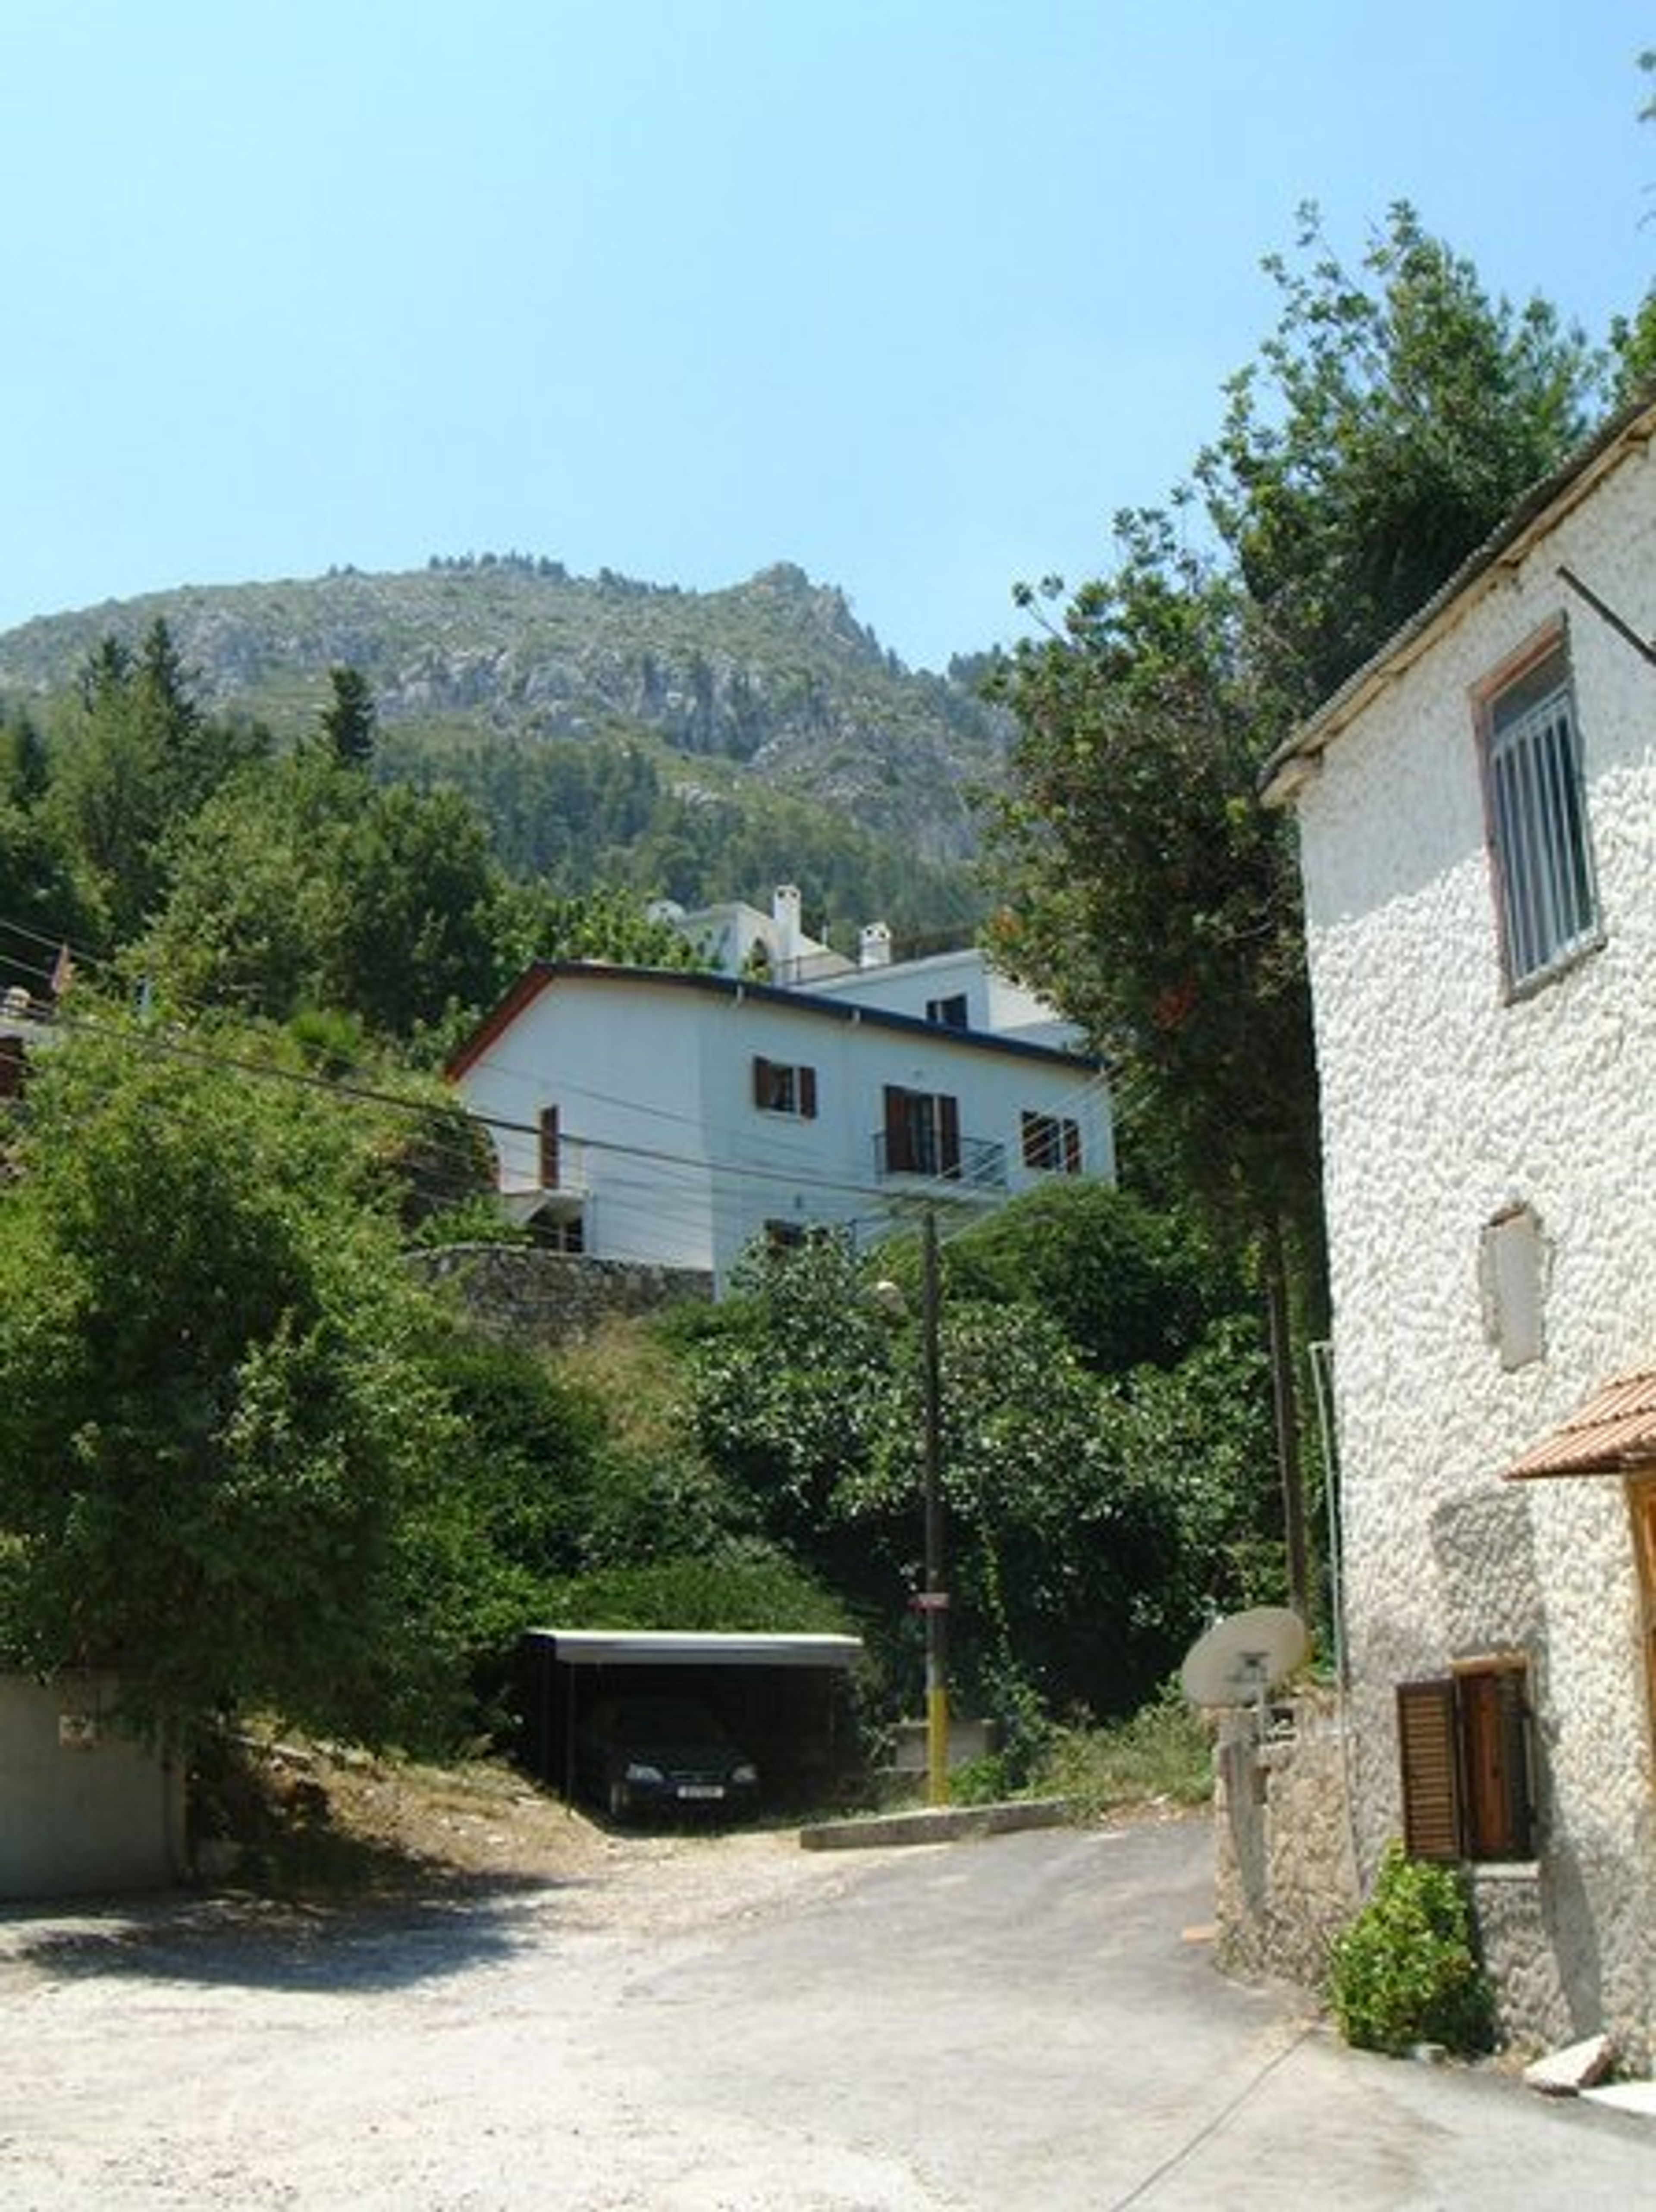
<point x="671" y="1118"/>
<point x="1477" y="819"/>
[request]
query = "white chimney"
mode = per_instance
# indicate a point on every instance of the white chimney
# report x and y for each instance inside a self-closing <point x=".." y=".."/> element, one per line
<point x="785" y="914"/>
<point x="874" y="946"/>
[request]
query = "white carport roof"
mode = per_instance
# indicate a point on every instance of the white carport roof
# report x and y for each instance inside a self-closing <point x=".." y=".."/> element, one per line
<point x="652" y="1646"/>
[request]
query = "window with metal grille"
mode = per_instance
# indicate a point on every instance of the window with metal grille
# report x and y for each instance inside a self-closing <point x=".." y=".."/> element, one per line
<point x="1537" y="822"/>
<point x="1464" y="1743"/>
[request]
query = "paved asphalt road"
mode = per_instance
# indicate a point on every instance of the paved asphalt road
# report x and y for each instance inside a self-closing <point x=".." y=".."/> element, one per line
<point x="1021" y="2023"/>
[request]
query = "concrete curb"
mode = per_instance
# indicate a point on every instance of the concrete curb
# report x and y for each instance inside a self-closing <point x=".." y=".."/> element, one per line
<point x="935" y="1824"/>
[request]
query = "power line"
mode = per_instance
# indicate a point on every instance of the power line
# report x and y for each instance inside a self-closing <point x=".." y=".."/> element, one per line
<point x="721" y="1177"/>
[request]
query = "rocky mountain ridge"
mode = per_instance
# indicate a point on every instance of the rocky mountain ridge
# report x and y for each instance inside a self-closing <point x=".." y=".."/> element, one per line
<point x="772" y="680"/>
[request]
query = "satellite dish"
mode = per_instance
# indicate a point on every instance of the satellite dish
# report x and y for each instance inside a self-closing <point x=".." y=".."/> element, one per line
<point x="1239" y="1660"/>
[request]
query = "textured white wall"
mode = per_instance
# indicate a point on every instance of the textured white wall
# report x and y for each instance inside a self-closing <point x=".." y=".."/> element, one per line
<point x="1444" y="1104"/>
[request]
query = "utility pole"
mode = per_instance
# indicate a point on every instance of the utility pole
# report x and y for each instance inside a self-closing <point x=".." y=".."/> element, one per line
<point x="934" y="1599"/>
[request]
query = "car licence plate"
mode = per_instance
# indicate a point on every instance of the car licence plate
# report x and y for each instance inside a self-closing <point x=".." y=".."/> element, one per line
<point x="701" y="1790"/>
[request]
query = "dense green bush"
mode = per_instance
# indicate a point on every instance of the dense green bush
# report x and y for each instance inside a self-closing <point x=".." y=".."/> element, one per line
<point x="748" y="1586"/>
<point x="1406" y="1971"/>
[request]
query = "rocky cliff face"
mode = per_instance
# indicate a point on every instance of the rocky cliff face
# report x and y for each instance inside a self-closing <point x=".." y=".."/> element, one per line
<point x="774" y="677"/>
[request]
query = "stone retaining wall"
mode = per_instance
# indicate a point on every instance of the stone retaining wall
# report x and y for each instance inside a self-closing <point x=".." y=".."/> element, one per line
<point x="1286" y="1876"/>
<point x="528" y="1296"/>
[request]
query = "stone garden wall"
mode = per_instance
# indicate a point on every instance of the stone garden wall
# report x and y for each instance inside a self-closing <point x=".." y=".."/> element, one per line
<point x="531" y="1297"/>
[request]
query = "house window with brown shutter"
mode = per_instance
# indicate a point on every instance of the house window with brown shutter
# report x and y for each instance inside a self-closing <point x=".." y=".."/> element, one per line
<point x="922" y="1134"/>
<point x="1467" y="1762"/>
<point x="781" y="1088"/>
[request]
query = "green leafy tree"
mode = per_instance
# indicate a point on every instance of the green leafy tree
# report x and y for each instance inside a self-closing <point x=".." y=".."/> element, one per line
<point x="1064" y="1529"/>
<point x="215" y="1422"/>
<point x="416" y="935"/>
<point x="300" y="886"/>
<point x="1130" y="1284"/>
<point x="793" y="1391"/>
<point x="1393" y="417"/>
<point x="531" y="921"/>
<point x="1144" y="889"/>
<point x="24" y="770"/>
<point x="349" y="720"/>
<point x="1056" y="1563"/>
<point x="1633" y="337"/>
<point x="134" y="759"/>
<point x="255" y="911"/>
<point x="41" y="907"/>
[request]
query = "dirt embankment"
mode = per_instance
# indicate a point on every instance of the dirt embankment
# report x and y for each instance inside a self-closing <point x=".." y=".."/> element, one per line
<point x="310" y="1826"/>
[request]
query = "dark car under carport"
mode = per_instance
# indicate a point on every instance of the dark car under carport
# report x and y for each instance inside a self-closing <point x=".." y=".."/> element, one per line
<point x="783" y="1697"/>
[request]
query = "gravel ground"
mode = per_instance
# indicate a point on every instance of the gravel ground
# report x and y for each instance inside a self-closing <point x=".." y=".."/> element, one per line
<point x="524" y="2014"/>
<point x="445" y="2049"/>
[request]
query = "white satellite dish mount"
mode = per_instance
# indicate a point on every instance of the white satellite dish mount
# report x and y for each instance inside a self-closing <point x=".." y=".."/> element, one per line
<point x="1241" y="1660"/>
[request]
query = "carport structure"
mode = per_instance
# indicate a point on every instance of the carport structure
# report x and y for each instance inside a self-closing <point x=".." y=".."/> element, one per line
<point x="783" y="1696"/>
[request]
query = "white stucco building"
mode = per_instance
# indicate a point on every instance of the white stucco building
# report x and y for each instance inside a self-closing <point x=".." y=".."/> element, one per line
<point x="670" y="1118"/>
<point x="1477" y="817"/>
<point x="958" y="988"/>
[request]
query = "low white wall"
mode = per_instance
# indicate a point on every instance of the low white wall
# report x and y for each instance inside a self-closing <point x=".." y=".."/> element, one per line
<point x="82" y="1808"/>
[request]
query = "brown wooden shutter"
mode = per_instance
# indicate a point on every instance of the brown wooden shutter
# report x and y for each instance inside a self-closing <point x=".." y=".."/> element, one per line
<point x="899" y="1145"/>
<point x="808" y="1093"/>
<point x="761" y="1082"/>
<point x="948" y="1136"/>
<point x="1642" y="1497"/>
<point x="1496" y="1759"/>
<point x="1431" y="1774"/>
<point x="1072" y="1148"/>
<point x="550" y="1148"/>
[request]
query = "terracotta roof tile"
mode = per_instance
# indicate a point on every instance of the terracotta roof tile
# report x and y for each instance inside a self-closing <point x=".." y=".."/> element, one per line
<point x="1613" y="1433"/>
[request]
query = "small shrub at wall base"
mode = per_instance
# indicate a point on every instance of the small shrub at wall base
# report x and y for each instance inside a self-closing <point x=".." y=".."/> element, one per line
<point x="1406" y="1971"/>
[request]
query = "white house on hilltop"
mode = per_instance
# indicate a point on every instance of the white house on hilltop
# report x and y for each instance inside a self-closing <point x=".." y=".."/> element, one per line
<point x="958" y="988"/>
<point x="670" y="1118"/>
<point x="1477" y="819"/>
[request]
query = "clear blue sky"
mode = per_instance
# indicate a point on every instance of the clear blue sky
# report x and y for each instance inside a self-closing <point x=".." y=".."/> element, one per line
<point x="914" y="293"/>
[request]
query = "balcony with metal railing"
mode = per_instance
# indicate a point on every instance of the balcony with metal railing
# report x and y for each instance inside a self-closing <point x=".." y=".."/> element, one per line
<point x="969" y="1165"/>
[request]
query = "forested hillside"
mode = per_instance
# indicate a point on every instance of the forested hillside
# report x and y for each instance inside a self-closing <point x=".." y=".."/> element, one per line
<point x="698" y="745"/>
